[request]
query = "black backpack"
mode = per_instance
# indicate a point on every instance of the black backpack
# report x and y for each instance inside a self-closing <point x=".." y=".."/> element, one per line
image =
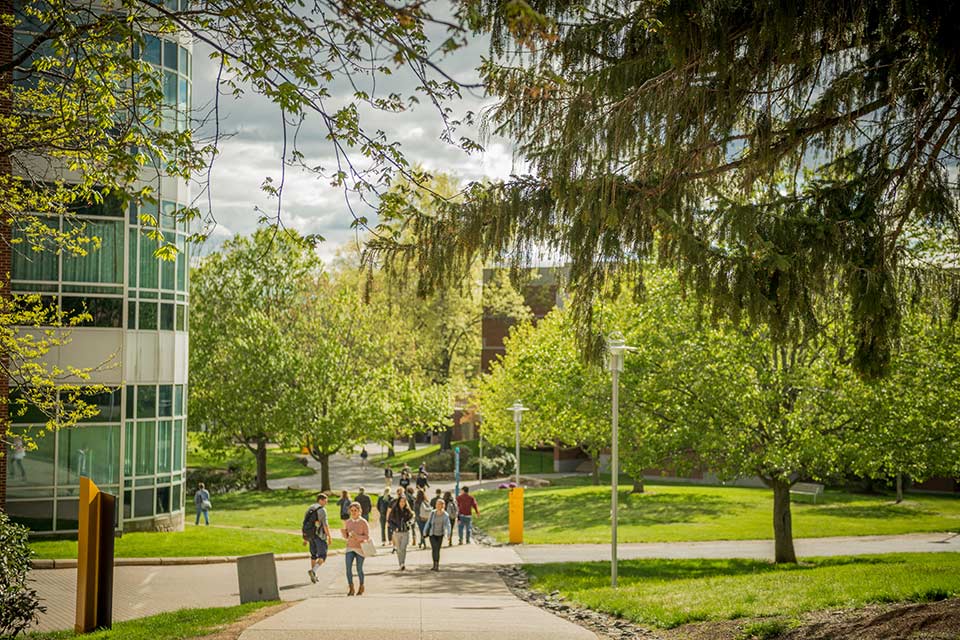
<point x="310" y="522"/>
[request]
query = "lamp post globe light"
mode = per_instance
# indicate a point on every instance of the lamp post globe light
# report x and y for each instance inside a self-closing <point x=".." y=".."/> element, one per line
<point x="517" y="410"/>
<point x="616" y="344"/>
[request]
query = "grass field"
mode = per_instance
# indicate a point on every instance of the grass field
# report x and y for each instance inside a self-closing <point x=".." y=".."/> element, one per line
<point x="667" y="513"/>
<point x="176" y="625"/>
<point x="253" y="522"/>
<point x="530" y="461"/>
<point x="280" y="463"/>
<point x="668" y="593"/>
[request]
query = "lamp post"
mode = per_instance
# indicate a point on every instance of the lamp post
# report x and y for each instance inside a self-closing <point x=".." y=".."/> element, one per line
<point x="617" y="347"/>
<point x="517" y="410"/>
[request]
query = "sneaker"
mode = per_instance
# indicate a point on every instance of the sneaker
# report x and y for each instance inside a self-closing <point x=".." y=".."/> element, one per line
<point x="461" y="542"/>
<point x="313" y="576"/>
<point x="403" y="567"/>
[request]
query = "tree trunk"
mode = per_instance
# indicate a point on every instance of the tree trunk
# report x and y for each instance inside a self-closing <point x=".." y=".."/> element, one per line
<point x="390" y="451"/>
<point x="595" y="474"/>
<point x="899" y="488"/>
<point x="261" y="455"/>
<point x="637" y="485"/>
<point x="324" y="471"/>
<point x="446" y="439"/>
<point x="782" y="523"/>
<point x="412" y="444"/>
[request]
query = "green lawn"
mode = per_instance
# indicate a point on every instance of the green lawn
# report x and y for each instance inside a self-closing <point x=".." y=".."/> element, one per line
<point x="666" y="513"/>
<point x="280" y="463"/>
<point x="176" y="625"/>
<point x="668" y="593"/>
<point x="530" y="461"/>
<point x="261" y="520"/>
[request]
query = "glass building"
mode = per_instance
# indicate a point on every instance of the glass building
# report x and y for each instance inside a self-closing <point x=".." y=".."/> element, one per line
<point x="136" y="340"/>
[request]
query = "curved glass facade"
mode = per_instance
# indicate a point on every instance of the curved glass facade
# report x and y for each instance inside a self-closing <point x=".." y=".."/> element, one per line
<point x="136" y="339"/>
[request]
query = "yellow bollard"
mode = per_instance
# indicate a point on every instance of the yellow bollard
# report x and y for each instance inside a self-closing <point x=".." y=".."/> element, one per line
<point x="516" y="515"/>
<point x="88" y="556"/>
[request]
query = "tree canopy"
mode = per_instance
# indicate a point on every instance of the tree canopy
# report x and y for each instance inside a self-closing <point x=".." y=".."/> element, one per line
<point x="771" y="153"/>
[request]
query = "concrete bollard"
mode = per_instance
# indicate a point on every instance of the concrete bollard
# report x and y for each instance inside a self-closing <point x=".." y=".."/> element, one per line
<point x="257" y="575"/>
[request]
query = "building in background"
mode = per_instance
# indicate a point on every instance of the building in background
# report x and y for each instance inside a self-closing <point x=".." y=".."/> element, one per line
<point x="136" y="341"/>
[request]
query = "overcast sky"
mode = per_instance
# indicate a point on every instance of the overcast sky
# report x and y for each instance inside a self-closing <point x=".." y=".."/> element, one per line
<point x="253" y="151"/>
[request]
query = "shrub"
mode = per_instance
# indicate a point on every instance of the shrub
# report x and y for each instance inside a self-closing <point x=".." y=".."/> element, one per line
<point x="444" y="460"/>
<point x="19" y="604"/>
<point x="219" y="481"/>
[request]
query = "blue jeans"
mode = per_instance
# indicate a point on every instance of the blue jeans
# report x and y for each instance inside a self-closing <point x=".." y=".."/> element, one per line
<point x="351" y="556"/>
<point x="464" y="523"/>
<point x="206" y="516"/>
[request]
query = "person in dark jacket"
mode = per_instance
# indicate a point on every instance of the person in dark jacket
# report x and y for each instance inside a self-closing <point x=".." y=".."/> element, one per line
<point x="366" y="506"/>
<point x="383" y="505"/>
<point x="344" y="504"/>
<point x="400" y="518"/>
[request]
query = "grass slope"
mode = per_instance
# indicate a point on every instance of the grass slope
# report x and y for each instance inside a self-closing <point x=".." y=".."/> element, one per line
<point x="280" y="463"/>
<point x="186" y="623"/>
<point x="669" y="513"/>
<point x="668" y="593"/>
<point x="530" y="461"/>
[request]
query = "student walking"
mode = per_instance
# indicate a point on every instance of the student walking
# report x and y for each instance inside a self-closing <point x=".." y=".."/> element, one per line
<point x="383" y="505"/>
<point x="202" y="501"/>
<point x="366" y="506"/>
<point x="422" y="483"/>
<point x="405" y="477"/>
<point x="400" y="516"/>
<point x="355" y="531"/>
<point x="387" y="478"/>
<point x="452" y="512"/>
<point x="344" y="503"/>
<point x="437" y="528"/>
<point x="433" y="500"/>
<point x="363" y="458"/>
<point x="423" y="510"/>
<point x="465" y="503"/>
<point x="316" y="533"/>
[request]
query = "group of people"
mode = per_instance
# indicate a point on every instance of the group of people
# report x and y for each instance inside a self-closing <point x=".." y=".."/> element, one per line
<point x="406" y="478"/>
<point x="403" y="517"/>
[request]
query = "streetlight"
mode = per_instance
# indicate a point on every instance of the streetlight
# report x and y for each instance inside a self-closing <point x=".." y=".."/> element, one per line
<point x="517" y="410"/>
<point x="617" y="347"/>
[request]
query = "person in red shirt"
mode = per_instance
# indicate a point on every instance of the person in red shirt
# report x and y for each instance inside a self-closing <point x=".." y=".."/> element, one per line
<point x="466" y="507"/>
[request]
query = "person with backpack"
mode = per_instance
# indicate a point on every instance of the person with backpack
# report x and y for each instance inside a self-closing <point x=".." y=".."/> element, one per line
<point x="452" y="512"/>
<point x="423" y="510"/>
<point x="363" y="457"/>
<point x="383" y="506"/>
<point x="344" y="504"/>
<point x="201" y="499"/>
<point x="437" y="528"/>
<point x="316" y="533"/>
<point x="399" y="517"/>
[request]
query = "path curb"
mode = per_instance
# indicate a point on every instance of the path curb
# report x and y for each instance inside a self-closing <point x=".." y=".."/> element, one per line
<point x="71" y="563"/>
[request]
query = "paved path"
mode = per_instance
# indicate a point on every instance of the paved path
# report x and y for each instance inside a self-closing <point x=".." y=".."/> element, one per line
<point x="759" y="549"/>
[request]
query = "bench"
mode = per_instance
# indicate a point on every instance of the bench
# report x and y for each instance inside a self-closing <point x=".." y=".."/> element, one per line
<point x="807" y="489"/>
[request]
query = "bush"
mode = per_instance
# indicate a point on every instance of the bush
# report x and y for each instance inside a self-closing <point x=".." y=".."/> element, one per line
<point x="19" y="604"/>
<point x="497" y="461"/>
<point x="218" y="481"/>
<point x="444" y="460"/>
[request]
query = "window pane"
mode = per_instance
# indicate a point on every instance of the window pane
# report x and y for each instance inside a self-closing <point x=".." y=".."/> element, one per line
<point x="128" y="450"/>
<point x="148" y="315"/>
<point x="38" y="515"/>
<point x="164" y="446"/>
<point x="143" y="503"/>
<point x="111" y="204"/>
<point x="107" y="402"/>
<point x="30" y="413"/>
<point x="146" y="443"/>
<point x="163" y="499"/>
<point x="100" y="312"/>
<point x="93" y="452"/>
<point x="183" y="104"/>
<point x="134" y="262"/>
<point x="28" y="468"/>
<point x="182" y="259"/>
<point x="181" y="318"/>
<point x="178" y="445"/>
<point x="178" y="400"/>
<point x="131" y="391"/>
<point x="34" y="265"/>
<point x="177" y="497"/>
<point x="184" y="65"/>
<point x="127" y="504"/>
<point x="68" y="515"/>
<point x="151" y="50"/>
<point x="169" y="267"/>
<point x="166" y="317"/>
<point x="149" y="263"/>
<point x="103" y="264"/>
<point x="170" y="51"/>
<point x="146" y="401"/>
<point x="166" y="400"/>
<point x="131" y="315"/>
<point x="167" y="220"/>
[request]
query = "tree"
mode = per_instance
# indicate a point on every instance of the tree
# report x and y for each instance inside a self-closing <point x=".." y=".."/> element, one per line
<point x="243" y="359"/>
<point x="772" y="154"/>
<point x="568" y="398"/>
